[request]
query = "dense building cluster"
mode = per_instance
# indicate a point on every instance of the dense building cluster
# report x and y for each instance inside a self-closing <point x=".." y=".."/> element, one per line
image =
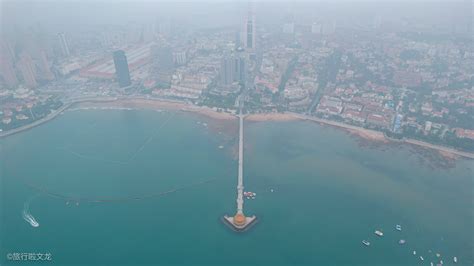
<point x="406" y="83"/>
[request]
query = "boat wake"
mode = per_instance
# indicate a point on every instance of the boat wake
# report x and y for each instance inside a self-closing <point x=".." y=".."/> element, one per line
<point x="27" y="215"/>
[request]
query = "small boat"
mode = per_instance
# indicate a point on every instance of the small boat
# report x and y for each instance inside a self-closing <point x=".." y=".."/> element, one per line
<point x="253" y="197"/>
<point x="398" y="227"/>
<point x="455" y="259"/>
<point x="402" y="241"/>
<point x="421" y="258"/>
<point x="271" y="190"/>
<point x="365" y="242"/>
<point x="441" y="262"/>
<point x="414" y="252"/>
<point x="431" y="264"/>
<point x="248" y="197"/>
<point x="379" y="233"/>
<point x="438" y="255"/>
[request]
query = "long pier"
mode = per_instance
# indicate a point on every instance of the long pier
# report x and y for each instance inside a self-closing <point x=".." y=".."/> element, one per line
<point x="239" y="222"/>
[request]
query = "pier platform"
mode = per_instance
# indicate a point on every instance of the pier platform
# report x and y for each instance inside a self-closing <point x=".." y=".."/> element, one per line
<point x="239" y="222"/>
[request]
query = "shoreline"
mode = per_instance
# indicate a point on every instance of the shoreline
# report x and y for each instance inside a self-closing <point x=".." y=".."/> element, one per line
<point x="164" y="104"/>
<point x="158" y="104"/>
<point x="368" y="134"/>
<point x="52" y="116"/>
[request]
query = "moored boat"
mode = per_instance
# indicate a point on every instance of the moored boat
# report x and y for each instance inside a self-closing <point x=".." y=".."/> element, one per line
<point x="365" y="242"/>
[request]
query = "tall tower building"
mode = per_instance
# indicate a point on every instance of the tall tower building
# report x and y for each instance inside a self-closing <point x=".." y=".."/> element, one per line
<point x="240" y="69"/>
<point x="44" y="67"/>
<point x="289" y="28"/>
<point x="163" y="65"/>
<point x="8" y="72"/>
<point x="249" y="31"/>
<point x="316" y="28"/>
<point x="64" y="44"/>
<point x="179" y="57"/>
<point x="121" y="68"/>
<point x="227" y="70"/>
<point x="28" y="71"/>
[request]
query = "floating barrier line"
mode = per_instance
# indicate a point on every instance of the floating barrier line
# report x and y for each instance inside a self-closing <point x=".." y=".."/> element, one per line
<point x="112" y="199"/>
<point x="131" y="158"/>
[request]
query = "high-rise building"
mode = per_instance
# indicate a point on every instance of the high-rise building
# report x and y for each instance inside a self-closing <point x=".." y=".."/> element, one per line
<point x="227" y="70"/>
<point x="7" y="71"/>
<point x="64" y="44"/>
<point x="233" y="69"/>
<point x="44" y="66"/>
<point x="329" y="28"/>
<point x="377" y="22"/>
<point x="316" y="28"/>
<point x="179" y="58"/>
<point x="28" y="71"/>
<point x="163" y="57"/>
<point x="249" y="32"/>
<point x="121" y="68"/>
<point x="163" y="65"/>
<point x="289" y="28"/>
<point x="240" y="69"/>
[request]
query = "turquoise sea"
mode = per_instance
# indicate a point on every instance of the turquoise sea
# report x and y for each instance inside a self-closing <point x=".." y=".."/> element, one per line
<point x="122" y="187"/>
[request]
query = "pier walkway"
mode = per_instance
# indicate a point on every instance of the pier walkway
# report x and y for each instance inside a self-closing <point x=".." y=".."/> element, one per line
<point x="239" y="222"/>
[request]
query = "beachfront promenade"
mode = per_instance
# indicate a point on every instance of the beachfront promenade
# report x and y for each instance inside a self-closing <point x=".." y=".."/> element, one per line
<point x="55" y="113"/>
<point x="239" y="222"/>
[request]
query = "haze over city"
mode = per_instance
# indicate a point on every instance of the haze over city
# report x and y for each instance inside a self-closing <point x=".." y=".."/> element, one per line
<point x="236" y="132"/>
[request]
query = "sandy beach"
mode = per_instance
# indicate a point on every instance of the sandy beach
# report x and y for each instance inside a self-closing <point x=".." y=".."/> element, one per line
<point x="162" y="105"/>
<point x="358" y="131"/>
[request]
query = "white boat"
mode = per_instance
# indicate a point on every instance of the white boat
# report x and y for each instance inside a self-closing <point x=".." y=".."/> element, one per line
<point x="455" y="259"/>
<point x="365" y="242"/>
<point x="30" y="219"/>
<point x="398" y="227"/>
<point x="438" y="255"/>
<point x="414" y="252"/>
<point x="379" y="233"/>
<point x="431" y="264"/>
<point x="402" y="241"/>
<point x="421" y="258"/>
<point x="271" y="190"/>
